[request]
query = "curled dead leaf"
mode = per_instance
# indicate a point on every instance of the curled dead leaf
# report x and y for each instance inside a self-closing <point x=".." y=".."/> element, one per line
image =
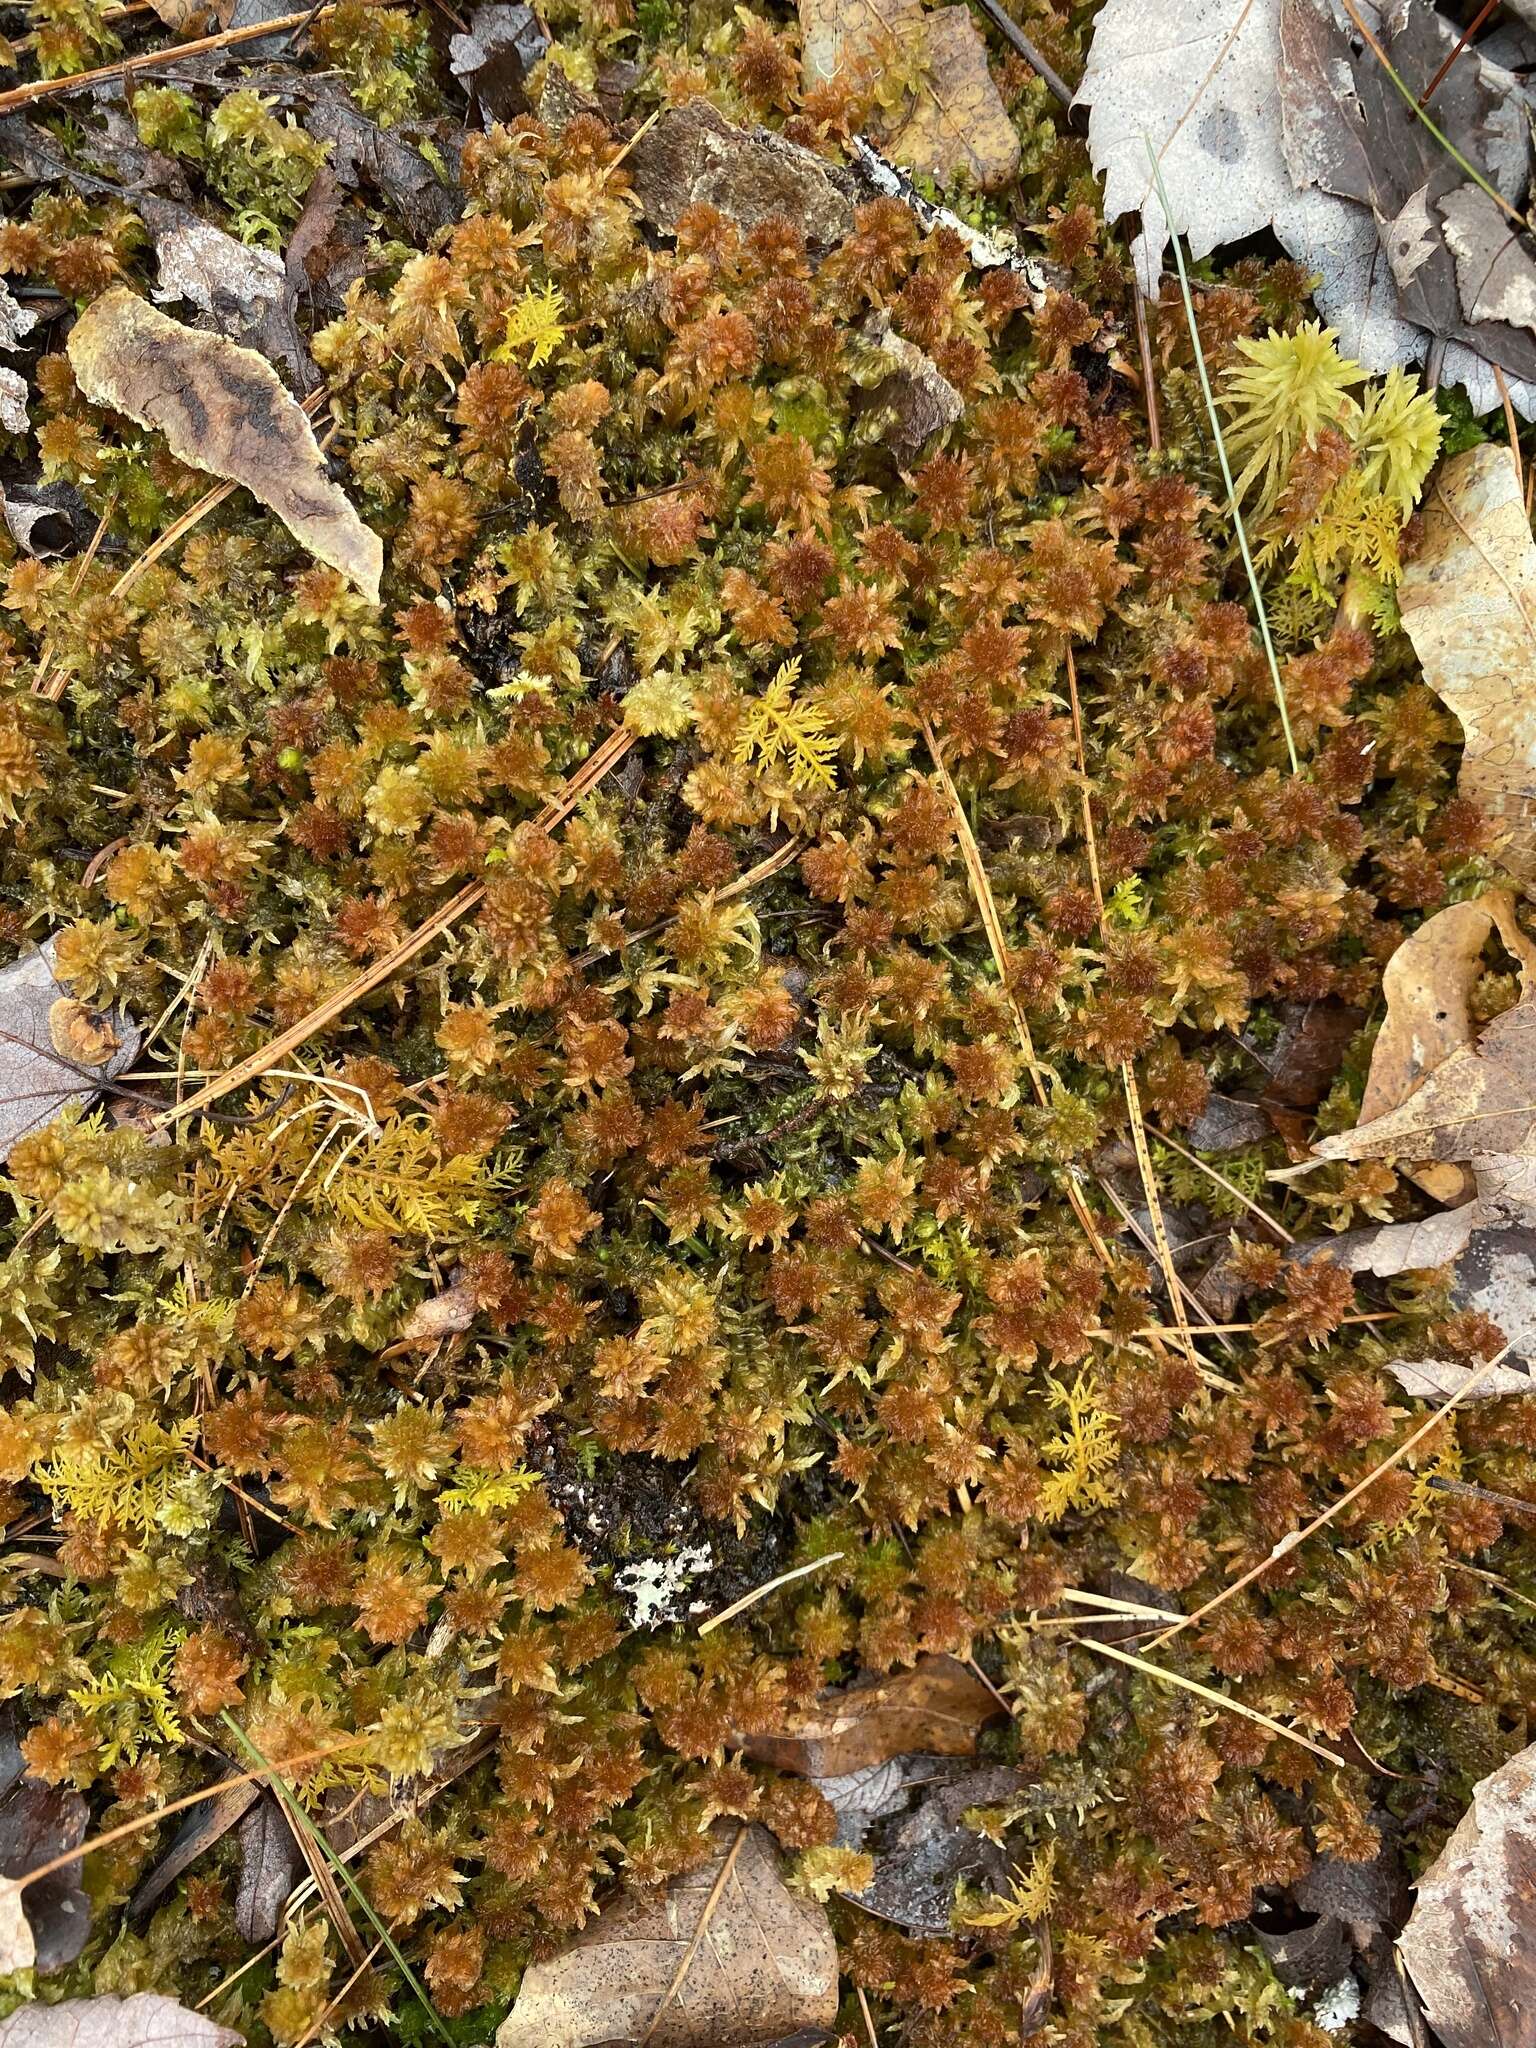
<point x="1427" y="986"/>
<point x="80" y="1033"/>
<point x="1469" y="1942"/>
<point x="37" y="1076"/>
<point x="222" y="409"/>
<point x="1468" y="603"/>
<point x="937" y="1708"/>
<point x="724" y="1954"/>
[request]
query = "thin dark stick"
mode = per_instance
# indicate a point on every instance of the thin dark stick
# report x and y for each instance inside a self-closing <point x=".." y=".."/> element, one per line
<point x="1467" y="1491"/>
<point x="148" y="60"/>
<point x="1467" y="34"/>
<point x="1148" y="378"/>
<point x="1012" y="33"/>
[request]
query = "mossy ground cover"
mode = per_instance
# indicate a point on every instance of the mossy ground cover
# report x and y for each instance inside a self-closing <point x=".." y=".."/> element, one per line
<point x="775" y="1220"/>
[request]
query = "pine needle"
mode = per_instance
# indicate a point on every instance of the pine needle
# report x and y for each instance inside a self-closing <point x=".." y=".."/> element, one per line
<point x="751" y="1599"/>
<point x="1299" y="1536"/>
<point x="1226" y="467"/>
<point x="306" y="1830"/>
<point x="254" y="1065"/>
<point x="992" y="925"/>
<point x="1208" y="1693"/>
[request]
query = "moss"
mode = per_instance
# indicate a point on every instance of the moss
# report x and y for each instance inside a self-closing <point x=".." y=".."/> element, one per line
<point x="760" y="1216"/>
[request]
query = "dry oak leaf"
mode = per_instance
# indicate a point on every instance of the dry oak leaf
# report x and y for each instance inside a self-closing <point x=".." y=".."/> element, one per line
<point x="222" y="409"/>
<point x="1468" y="603"/>
<point x="1476" y="1104"/>
<point x="952" y="121"/>
<point x="722" y="1957"/>
<point x="1428" y="984"/>
<point x="1470" y="1941"/>
<point x="146" y="2020"/>
<point x="937" y="1708"/>
<point x="441" y="1315"/>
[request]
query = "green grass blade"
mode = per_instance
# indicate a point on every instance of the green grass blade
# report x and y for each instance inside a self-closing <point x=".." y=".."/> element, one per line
<point x="312" y="1834"/>
<point x="1226" y="468"/>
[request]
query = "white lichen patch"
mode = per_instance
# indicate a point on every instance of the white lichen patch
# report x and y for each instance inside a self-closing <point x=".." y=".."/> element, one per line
<point x="1337" y="2006"/>
<point x="655" y="1586"/>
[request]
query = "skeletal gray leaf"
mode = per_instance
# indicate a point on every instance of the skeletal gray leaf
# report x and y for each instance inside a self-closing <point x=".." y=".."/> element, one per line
<point x="147" y="2020"/>
<point x="15" y="319"/>
<point x="36" y="1080"/>
<point x="13" y="402"/>
<point x="1495" y="276"/>
<point x="212" y="271"/>
<point x="1469" y="1943"/>
<point x="491" y="59"/>
<point x="270" y="1863"/>
<point x="202" y="1826"/>
<point x="1197" y="80"/>
<point x="1436" y="1379"/>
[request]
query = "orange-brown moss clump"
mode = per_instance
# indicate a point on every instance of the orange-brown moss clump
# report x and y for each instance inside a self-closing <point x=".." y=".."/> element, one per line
<point x="756" y="1197"/>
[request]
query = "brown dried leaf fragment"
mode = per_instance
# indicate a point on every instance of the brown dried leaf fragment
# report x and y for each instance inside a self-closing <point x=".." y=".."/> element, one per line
<point x="952" y="119"/>
<point x="937" y="1708"/>
<point x="1428" y="986"/>
<point x="190" y="17"/>
<point x="146" y="2020"/>
<point x="725" y="1954"/>
<point x="222" y="409"/>
<point x="441" y="1315"/>
<point x="958" y="124"/>
<point x="1468" y="601"/>
<point x="1469" y="1942"/>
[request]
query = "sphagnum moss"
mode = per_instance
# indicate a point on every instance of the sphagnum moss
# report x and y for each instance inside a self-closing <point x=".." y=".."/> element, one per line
<point x="757" y="1221"/>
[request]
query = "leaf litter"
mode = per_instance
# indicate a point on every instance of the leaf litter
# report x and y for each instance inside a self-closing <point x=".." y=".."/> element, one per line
<point x="1408" y="247"/>
<point x="724" y="1953"/>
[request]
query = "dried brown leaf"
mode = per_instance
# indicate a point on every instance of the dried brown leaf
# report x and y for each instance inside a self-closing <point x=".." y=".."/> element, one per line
<point x="957" y="125"/>
<point x="186" y="17"/>
<point x="147" y="2020"/>
<point x="953" y="120"/>
<point x="694" y="155"/>
<point x="1468" y="601"/>
<point x="724" y="1954"/>
<point x="1469" y="1943"/>
<point x="1428" y="986"/>
<point x="937" y="1708"/>
<point x="222" y="409"/>
<point x="441" y="1315"/>
<point x="39" y="1824"/>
